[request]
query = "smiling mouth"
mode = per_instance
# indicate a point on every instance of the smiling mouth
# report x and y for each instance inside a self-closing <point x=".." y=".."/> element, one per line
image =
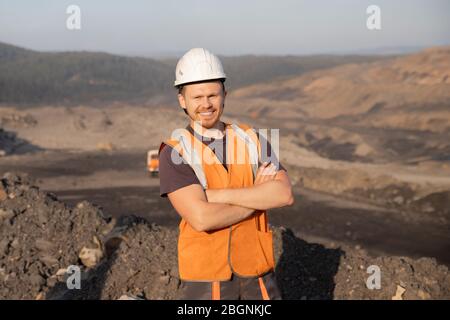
<point x="209" y="113"/>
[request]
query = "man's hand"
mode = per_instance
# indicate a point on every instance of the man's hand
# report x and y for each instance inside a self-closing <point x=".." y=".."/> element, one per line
<point x="266" y="172"/>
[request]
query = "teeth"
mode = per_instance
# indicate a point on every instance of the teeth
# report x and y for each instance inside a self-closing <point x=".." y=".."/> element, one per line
<point x="206" y="113"/>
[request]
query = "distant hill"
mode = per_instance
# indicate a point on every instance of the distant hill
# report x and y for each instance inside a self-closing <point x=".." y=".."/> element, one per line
<point x="397" y="108"/>
<point x="357" y="89"/>
<point x="28" y="77"/>
<point x="31" y="77"/>
<point x="10" y="53"/>
<point x="251" y="69"/>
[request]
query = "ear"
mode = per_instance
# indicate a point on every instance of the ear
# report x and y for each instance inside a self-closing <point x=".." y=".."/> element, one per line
<point x="181" y="101"/>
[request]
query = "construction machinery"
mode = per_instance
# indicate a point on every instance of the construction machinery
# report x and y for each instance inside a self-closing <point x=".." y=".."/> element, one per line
<point x="152" y="163"/>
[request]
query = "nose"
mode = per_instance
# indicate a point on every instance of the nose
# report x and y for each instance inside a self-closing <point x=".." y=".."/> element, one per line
<point x="207" y="102"/>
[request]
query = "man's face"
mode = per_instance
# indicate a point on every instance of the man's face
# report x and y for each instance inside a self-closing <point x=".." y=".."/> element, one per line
<point x="203" y="102"/>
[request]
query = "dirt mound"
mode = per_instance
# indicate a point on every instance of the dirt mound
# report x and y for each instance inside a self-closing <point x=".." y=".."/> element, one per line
<point x="314" y="271"/>
<point x="401" y="278"/>
<point x="8" y="142"/>
<point x="141" y="262"/>
<point x="41" y="236"/>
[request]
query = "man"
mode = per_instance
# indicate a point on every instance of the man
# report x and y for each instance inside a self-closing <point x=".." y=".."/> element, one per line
<point x="210" y="173"/>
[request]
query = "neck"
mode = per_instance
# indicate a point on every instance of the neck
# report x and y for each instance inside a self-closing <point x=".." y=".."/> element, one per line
<point x="215" y="132"/>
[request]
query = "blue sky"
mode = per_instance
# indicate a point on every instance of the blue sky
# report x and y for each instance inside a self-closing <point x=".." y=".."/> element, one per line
<point x="140" y="27"/>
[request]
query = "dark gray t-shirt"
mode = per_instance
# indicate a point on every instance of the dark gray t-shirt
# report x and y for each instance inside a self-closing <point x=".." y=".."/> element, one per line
<point x="174" y="176"/>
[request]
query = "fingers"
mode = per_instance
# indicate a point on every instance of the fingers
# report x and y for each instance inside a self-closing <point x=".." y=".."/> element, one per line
<point x="265" y="173"/>
<point x="260" y="171"/>
<point x="261" y="168"/>
<point x="269" y="170"/>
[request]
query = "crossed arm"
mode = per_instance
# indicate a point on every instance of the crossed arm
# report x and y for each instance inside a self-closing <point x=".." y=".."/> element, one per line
<point x="220" y="208"/>
<point x="271" y="190"/>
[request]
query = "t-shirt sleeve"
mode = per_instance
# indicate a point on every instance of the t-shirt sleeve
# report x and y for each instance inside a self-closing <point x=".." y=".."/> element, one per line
<point x="266" y="152"/>
<point x="173" y="176"/>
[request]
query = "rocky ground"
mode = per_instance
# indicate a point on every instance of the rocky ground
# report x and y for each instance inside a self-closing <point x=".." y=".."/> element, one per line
<point x="41" y="237"/>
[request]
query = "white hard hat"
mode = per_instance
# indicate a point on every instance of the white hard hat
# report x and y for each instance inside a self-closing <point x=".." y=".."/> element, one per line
<point x="198" y="64"/>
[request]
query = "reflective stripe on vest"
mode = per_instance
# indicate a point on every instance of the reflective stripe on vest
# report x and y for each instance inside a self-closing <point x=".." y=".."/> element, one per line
<point x="194" y="160"/>
<point x="190" y="155"/>
<point x="252" y="147"/>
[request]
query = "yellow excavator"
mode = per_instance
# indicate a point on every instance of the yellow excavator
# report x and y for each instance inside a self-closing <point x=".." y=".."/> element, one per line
<point x="153" y="163"/>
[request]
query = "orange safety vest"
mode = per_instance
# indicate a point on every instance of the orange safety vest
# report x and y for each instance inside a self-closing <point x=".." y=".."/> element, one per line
<point x="245" y="248"/>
